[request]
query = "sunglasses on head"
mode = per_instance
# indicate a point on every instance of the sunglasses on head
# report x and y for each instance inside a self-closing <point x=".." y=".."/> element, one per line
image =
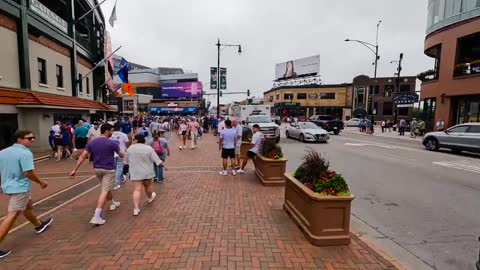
<point x="29" y="138"/>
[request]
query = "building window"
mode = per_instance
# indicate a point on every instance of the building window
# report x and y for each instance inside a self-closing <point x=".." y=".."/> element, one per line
<point x="377" y="89"/>
<point x="277" y="97"/>
<point x="327" y="95"/>
<point x="387" y="108"/>
<point x="87" y="82"/>
<point x="301" y="96"/>
<point x="468" y="55"/>
<point x="287" y="96"/>
<point x="80" y="83"/>
<point x="359" y="95"/>
<point x="375" y="108"/>
<point x="59" y="76"/>
<point x="388" y="90"/>
<point x="42" y="70"/>
<point x="405" y="88"/>
<point x="270" y="98"/>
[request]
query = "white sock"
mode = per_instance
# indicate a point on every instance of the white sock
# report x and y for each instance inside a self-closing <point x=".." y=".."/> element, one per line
<point x="98" y="211"/>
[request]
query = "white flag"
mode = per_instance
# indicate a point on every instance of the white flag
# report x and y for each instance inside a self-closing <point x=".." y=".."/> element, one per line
<point x="113" y="17"/>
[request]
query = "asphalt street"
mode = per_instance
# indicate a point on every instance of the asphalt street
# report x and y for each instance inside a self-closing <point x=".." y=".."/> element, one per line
<point x="426" y="202"/>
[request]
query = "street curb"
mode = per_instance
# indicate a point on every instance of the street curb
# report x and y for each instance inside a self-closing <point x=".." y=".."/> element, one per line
<point x="381" y="244"/>
<point x="369" y="135"/>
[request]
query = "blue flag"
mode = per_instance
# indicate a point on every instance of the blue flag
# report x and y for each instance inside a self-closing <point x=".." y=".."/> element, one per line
<point x="123" y="71"/>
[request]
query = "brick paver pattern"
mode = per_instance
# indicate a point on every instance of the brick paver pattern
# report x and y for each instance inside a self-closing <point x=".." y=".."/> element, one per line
<point x="200" y="220"/>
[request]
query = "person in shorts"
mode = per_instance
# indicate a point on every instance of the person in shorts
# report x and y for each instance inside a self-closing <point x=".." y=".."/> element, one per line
<point x="228" y="140"/>
<point x="141" y="159"/>
<point x="257" y="140"/>
<point x="17" y="173"/>
<point x="80" y="137"/>
<point x="183" y="130"/>
<point x="236" y="126"/>
<point x="103" y="150"/>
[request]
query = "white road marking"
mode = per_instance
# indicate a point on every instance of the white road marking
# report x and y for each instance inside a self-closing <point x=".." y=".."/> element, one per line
<point x="465" y="165"/>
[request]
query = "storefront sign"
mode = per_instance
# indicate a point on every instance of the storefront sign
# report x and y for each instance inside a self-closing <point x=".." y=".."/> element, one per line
<point x="48" y="15"/>
<point x="406" y="99"/>
<point x="312" y="96"/>
<point x="172" y="104"/>
<point x="174" y="110"/>
<point x="405" y="105"/>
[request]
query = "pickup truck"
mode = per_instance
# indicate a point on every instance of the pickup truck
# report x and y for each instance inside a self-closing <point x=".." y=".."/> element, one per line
<point x="327" y="122"/>
<point x="267" y="126"/>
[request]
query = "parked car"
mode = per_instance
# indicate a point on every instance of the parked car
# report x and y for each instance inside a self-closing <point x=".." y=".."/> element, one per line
<point x="307" y="131"/>
<point x="464" y="137"/>
<point x="354" y="122"/>
<point x="328" y="123"/>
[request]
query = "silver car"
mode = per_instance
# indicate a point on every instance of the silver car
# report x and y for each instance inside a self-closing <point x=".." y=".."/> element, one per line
<point x="464" y="137"/>
<point x="307" y="131"/>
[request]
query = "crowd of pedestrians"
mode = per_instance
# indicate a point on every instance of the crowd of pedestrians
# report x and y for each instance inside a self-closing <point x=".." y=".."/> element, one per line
<point x="134" y="148"/>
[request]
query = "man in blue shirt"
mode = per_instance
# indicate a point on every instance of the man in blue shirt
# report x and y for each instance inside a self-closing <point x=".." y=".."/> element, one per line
<point x="16" y="170"/>
<point x="228" y="140"/>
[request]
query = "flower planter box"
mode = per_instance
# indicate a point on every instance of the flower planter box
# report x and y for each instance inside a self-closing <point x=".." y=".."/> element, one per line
<point x="244" y="149"/>
<point x="325" y="220"/>
<point x="270" y="171"/>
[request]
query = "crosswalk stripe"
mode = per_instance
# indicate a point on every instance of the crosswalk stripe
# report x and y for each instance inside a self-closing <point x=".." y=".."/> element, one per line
<point x="464" y="165"/>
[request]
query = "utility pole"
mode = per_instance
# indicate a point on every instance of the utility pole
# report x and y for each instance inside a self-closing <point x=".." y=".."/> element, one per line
<point x="397" y="84"/>
<point x="218" y="78"/>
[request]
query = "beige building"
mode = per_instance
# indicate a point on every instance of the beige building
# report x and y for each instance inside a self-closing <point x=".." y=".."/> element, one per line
<point x="308" y="100"/>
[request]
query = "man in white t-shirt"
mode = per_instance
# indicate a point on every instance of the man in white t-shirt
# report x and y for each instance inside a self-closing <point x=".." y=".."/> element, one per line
<point x="193" y="127"/>
<point x="257" y="140"/>
<point x="155" y="126"/>
<point x="123" y="141"/>
<point x="228" y="140"/>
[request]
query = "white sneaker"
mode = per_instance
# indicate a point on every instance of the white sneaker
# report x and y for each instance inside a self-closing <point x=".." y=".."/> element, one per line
<point x="116" y="187"/>
<point x="180" y="147"/>
<point x="152" y="198"/>
<point x="224" y="173"/>
<point x="114" y="205"/>
<point x="234" y="172"/>
<point x="136" y="211"/>
<point x="97" y="221"/>
<point x="240" y="171"/>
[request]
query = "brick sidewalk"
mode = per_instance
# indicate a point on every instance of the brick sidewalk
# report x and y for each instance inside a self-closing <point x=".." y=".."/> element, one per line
<point x="200" y="220"/>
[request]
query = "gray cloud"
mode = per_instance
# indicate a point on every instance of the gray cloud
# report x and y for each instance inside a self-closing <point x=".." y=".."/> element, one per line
<point x="182" y="33"/>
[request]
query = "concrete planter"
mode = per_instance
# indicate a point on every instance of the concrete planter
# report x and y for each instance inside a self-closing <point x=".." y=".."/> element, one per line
<point x="325" y="220"/>
<point x="270" y="171"/>
<point x="244" y="149"/>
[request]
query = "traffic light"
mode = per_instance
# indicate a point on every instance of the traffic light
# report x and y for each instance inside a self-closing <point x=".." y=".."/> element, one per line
<point x="248" y="92"/>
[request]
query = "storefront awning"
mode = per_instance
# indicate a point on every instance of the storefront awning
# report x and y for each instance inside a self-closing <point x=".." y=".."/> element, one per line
<point x="32" y="99"/>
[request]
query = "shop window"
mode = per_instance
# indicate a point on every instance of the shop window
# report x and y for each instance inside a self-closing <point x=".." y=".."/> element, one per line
<point x="468" y="55"/>
<point x="327" y="96"/>
<point x="375" y="108"/>
<point x="403" y="111"/>
<point x="388" y="89"/>
<point x="387" y="108"/>
<point x="42" y="71"/>
<point x="80" y="83"/>
<point x="277" y="97"/>
<point x="288" y="96"/>
<point x="59" y="76"/>
<point x="87" y="84"/>
<point x="301" y="96"/>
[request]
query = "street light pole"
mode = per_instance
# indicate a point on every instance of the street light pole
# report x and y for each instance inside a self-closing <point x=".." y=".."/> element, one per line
<point x="219" y="45"/>
<point x="397" y="83"/>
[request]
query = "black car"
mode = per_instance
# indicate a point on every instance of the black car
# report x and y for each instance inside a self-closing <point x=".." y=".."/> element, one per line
<point x="327" y="122"/>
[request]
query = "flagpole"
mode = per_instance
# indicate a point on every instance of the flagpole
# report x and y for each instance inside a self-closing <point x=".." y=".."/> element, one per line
<point x="88" y="12"/>
<point x="98" y="64"/>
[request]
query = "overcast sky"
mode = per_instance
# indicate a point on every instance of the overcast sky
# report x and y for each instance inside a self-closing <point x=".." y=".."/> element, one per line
<point x="183" y="33"/>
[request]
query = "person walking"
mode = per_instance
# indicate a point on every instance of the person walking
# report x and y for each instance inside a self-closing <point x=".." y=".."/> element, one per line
<point x="64" y="143"/>
<point x="80" y="137"/>
<point x="228" y="140"/>
<point x="422" y="127"/>
<point x="17" y="172"/>
<point x="239" y="129"/>
<point x="402" y="125"/>
<point x="160" y="146"/>
<point x="144" y="131"/>
<point x="123" y="141"/>
<point x="383" y="126"/>
<point x="140" y="159"/>
<point x="413" y="128"/>
<point x="257" y="140"/>
<point x="183" y="130"/>
<point x="193" y="129"/>
<point x="103" y="150"/>
<point x="389" y="125"/>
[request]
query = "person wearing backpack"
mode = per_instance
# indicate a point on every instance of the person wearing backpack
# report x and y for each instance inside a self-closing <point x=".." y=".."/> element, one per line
<point x="160" y="146"/>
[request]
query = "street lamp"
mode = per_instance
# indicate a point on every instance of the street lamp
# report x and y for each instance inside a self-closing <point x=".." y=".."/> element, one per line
<point x="219" y="45"/>
<point x="374" y="49"/>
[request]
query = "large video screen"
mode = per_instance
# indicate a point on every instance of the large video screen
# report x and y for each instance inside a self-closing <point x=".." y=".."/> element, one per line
<point x="183" y="89"/>
<point x="298" y="68"/>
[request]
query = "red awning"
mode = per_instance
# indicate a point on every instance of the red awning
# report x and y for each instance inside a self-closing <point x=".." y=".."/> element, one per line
<point x="26" y="97"/>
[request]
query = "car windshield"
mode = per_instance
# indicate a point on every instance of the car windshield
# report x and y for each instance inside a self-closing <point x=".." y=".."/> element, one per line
<point x="309" y="126"/>
<point x="260" y="119"/>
